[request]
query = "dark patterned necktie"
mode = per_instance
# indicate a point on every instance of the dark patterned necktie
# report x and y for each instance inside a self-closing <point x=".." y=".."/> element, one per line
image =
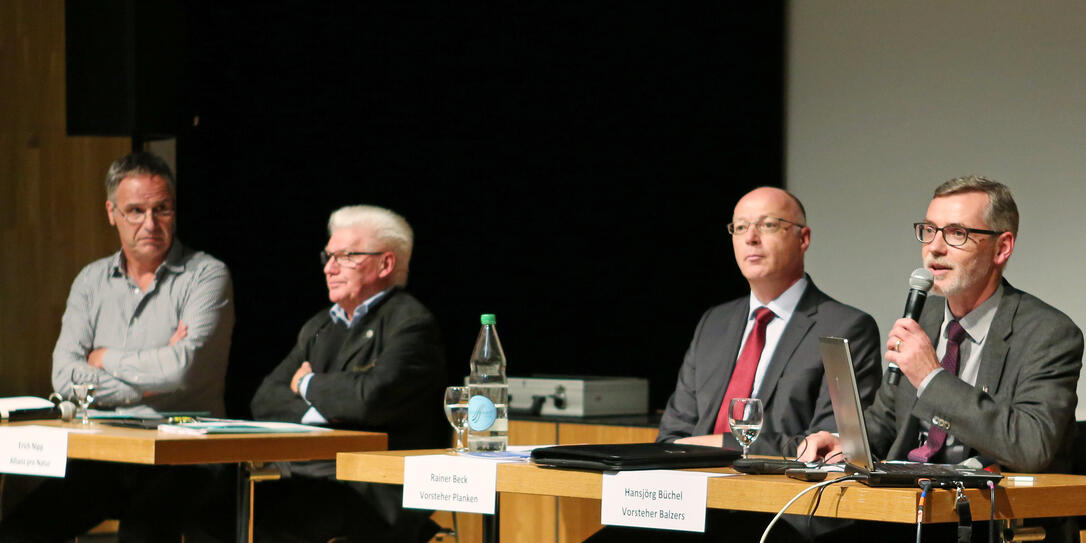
<point x="936" y="435"/>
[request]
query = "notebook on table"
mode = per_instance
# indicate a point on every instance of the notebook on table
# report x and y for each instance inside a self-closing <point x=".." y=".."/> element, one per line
<point x="634" y="456"/>
<point x="847" y="409"/>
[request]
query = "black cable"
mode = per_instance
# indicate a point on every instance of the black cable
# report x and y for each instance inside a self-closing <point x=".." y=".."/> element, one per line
<point x="820" y="487"/>
<point x="810" y="516"/>
<point x="991" y="513"/>
<point x="826" y="460"/>
<point x="806" y="490"/>
<point x="795" y="441"/>
<point x="925" y="487"/>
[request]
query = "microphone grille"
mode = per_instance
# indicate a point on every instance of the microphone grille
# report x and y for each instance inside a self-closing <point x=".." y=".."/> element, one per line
<point x="67" y="410"/>
<point x="921" y="279"/>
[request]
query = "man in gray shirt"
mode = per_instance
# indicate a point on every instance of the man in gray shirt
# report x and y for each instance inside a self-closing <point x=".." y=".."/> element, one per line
<point x="150" y="327"/>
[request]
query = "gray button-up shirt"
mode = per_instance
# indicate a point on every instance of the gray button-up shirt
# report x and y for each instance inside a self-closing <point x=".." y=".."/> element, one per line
<point x="106" y="309"/>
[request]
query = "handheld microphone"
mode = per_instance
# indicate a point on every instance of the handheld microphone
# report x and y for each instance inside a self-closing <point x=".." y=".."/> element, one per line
<point x="61" y="409"/>
<point x="67" y="409"/>
<point x="920" y="282"/>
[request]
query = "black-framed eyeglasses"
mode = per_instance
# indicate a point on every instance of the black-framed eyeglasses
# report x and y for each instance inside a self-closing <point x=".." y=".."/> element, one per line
<point x="764" y="225"/>
<point x="347" y="259"/>
<point x="953" y="235"/>
<point x="137" y="215"/>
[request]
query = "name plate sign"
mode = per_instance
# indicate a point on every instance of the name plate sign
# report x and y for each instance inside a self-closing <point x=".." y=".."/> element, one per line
<point x="665" y="499"/>
<point x="450" y="483"/>
<point x="34" y="450"/>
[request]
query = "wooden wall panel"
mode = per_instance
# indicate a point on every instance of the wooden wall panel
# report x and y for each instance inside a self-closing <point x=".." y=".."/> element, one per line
<point x="52" y="203"/>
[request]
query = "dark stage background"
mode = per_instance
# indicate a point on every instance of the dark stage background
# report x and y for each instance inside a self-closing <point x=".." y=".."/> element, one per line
<point x="569" y="167"/>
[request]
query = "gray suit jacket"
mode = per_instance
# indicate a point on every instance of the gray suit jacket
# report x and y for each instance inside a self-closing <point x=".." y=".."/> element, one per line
<point x="793" y="390"/>
<point x="1021" y="413"/>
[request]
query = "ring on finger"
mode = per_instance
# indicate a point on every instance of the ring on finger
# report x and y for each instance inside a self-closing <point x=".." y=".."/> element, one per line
<point x="897" y="346"/>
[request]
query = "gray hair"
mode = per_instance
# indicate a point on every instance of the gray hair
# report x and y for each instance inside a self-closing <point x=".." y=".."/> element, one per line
<point x="390" y="229"/>
<point x="1001" y="213"/>
<point x="138" y="163"/>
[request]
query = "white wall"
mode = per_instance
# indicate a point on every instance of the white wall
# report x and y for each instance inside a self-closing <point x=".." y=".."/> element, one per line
<point x="887" y="99"/>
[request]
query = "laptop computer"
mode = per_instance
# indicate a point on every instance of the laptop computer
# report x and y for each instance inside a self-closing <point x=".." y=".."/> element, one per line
<point x="847" y="409"/>
<point x="634" y="456"/>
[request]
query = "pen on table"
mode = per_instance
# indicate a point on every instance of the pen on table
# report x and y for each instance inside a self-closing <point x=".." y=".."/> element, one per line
<point x="1020" y="478"/>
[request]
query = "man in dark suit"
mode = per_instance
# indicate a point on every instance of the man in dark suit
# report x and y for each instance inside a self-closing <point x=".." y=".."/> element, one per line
<point x="770" y="237"/>
<point x="374" y="361"/>
<point x="991" y="370"/>
<point x="765" y="346"/>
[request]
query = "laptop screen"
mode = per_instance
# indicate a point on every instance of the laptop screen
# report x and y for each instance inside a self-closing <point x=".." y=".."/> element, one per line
<point x="845" y="395"/>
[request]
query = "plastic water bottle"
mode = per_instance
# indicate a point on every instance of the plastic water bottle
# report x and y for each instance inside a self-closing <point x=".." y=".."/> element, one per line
<point x="488" y="408"/>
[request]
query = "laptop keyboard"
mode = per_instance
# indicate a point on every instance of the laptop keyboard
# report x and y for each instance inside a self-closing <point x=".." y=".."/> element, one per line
<point x="928" y="470"/>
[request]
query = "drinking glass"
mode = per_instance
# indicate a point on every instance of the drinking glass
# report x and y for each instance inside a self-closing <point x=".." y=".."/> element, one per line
<point x="745" y="419"/>
<point x="84" y="395"/>
<point x="456" y="410"/>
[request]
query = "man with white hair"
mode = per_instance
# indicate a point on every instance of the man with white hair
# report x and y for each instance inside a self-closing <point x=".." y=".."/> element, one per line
<point x="373" y="361"/>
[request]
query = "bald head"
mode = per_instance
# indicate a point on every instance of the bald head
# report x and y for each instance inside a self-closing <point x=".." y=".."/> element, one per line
<point x="770" y="256"/>
<point x="781" y="198"/>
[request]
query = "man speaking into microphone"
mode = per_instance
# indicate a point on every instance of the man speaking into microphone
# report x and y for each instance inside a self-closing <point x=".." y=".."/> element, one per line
<point x="920" y="282"/>
<point x="989" y="371"/>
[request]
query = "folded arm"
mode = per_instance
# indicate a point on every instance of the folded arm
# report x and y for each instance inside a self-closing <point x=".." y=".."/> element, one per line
<point x="207" y="317"/>
<point x="75" y="344"/>
<point x="411" y="363"/>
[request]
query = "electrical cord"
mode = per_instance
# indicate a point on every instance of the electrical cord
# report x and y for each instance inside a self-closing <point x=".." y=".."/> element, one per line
<point x="815" y="486"/>
<point x="826" y="460"/>
<point x="991" y="513"/>
<point x="795" y="442"/>
<point x="925" y="487"/>
<point x="810" y="516"/>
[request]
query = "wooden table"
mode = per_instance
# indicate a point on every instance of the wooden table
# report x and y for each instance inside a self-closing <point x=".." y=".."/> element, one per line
<point x="1050" y="495"/>
<point x="150" y="447"/>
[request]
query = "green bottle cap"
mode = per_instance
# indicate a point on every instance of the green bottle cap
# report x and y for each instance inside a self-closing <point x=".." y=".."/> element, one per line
<point x="488" y="318"/>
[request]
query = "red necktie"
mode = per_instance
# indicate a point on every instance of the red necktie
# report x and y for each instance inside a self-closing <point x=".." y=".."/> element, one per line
<point x="742" y="381"/>
<point x="936" y="435"/>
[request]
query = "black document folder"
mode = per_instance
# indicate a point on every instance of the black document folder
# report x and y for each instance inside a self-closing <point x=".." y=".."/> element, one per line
<point x="631" y="456"/>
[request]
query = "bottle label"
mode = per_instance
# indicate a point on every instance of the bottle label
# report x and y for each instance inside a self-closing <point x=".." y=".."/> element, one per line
<point x="481" y="413"/>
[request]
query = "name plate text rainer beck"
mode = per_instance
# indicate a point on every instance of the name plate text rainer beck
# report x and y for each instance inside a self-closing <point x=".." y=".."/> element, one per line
<point x="450" y="483"/>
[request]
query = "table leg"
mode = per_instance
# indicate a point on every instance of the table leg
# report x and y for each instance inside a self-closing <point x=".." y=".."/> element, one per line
<point x="249" y="473"/>
<point x="492" y="523"/>
<point x="244" y="505"/>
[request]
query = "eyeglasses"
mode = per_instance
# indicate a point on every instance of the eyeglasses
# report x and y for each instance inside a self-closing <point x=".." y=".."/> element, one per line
<point x="953" y="235"/>
<point x="346" y="259"/>
<point x="137" y="215"/>
<point x="765" y="225"/>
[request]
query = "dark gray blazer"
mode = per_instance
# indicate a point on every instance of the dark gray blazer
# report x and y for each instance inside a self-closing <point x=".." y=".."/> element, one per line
<point x="1021" y="413"/>
<point x="793" y="391"/>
